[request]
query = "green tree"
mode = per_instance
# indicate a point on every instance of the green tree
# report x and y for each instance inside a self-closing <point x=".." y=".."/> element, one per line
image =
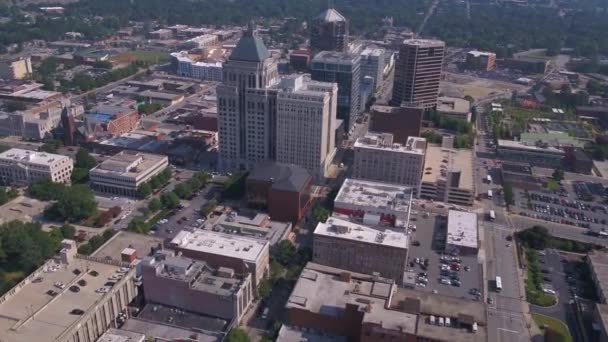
<point x="558" y="175"/>
<point x="536" y="237"/>
<point x="169" y="200"/>
<point x="144" y="190"/>
<point x="320" y="214"/>
<point x="46" y="190"/>
<point x="12" y="193"/>
<point x="80" y="175"/>
<point x="51" y="146"/>
<point x="73" y="204"/>
<point x="285" y="252"/>
<point x="154" y="205"/>
<point x="264" y="289"/>
<point x="508" y="192"/>
<point x="138" y="225"/>
<point x="84" y="159"/>
<point x="68" y="231"/>
<point x="208" y="208"/>
<point x="237" y="335"/>
<point x="182" y="190"/>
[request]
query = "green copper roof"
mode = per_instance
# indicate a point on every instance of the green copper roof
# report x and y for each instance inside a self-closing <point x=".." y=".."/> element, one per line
<point x="250" y="48"/>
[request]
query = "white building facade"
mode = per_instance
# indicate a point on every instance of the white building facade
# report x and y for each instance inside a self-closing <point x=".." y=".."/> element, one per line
<point x="21" y="167"/>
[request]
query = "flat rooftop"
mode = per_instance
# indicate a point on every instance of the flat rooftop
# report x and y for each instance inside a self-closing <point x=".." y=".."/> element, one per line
<point x="335" y="57"/>
<point x="127" y="164"/>
<point x="477" y="53"/>
<point x="440" y="160"/>
<point x="384" y="142"/>
<point x="518" y="145"/>
<point x="343" y="229"/>
<point x="119" y="335"/>
<point x="52" y="313"/>
<point x="424" y="42"/>
<point x="453" y="105"/>
<point x="244" y="248"/>
<point x="377" y="52"/>
<point x="17" y="155"/>
<point x="325" y="293"/>
<point x="142" y="244"/>
<point x="462" y="229"/>
<point x="375" y="194"/>
<point x="294" y="334"/>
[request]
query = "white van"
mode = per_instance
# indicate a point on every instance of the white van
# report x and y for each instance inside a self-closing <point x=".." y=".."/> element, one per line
<point x="474" y="327"/>
<point x="432" y="320"/>
<point x="440" y="321"/>
<point x="447" y="322"/>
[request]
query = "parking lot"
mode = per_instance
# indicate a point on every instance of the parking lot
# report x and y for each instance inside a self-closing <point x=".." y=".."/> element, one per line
<point x="460" y="276"/>
<point x="562" y="208"/>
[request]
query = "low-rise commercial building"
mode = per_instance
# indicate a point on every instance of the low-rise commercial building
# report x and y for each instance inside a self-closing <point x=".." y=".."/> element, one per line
<point x="111" y="120"/>
<point x="358" y="248"/>
<point x="119" y="335"/>
<point x="453" y="107"/>
<point x="256" y="226"/>
<point x="16" y="69"/>
<point x="462" y="235"/>
<point x="161" y="97"/>
<point x="448" y="175"/>
<point x="22" y="167"/>
<point x="379" y="158"/>
<point x="196" y="287"/>
<point x="527" y="64"/>
<point x="243" y="255"/>
<point x="188" y="67"/>
<point x="284" y="189"/>
<point x="374" y="203"/>
<point x="123" y="173"/>
<point x="540" y="154"/>
<point x="598" y="266"/>
<point x="480" y="60"/>
<point x="71" y="301"/>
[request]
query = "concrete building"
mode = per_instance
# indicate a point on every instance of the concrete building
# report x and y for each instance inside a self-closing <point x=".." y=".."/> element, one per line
<point x="368" y="308"/>
<point x="378" y="158"/>
<point x="123" y="173"/>
<point x="119" y="335"/>
<point x="598" y="266"/>
<point x="480" y="60"/>
<point x="401" y="122"/>
<point x="69" y="301"/>
<point x="462" y="235"/>
<point x="200" y="42"/>
<point x="306" y="124"/>
<point x="187" y="67"/>
<point x="448" y="175"/>
<point x="161" y="97"/>
<point x="344" y="69"/>
<point x="374" y="203"/>
<point x="246" y="134"/>
<point x="243" y="255"/>
<point x="23" y="167"/>
<point x="196" y="287"/>
<point x="354" y="247"/>
<point x="453" y="107"/>
<point x="16" y="69"/>
<point x="329" y="32"/>
<point x="372" y="64"/>
<point x="37" y="122"/>
<point x="161" y="34"/>
<point x="255" y="225"/>
<point x="527" y="64"/>
<point x="539" y="154"/>
<point x="283" y="189"/>
<point x="28" y="92"/>
<point x="417" y="73"/>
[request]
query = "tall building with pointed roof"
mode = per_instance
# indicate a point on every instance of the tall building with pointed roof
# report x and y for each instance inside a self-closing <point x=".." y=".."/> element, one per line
<point x="329" y="31"/>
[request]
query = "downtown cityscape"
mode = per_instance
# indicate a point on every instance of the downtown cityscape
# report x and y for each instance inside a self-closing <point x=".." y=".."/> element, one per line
<point x="321" y="171"/>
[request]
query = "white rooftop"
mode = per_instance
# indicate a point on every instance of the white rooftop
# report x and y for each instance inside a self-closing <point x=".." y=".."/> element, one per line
<point x="523" y="146"/>
<point x="480" y="53"/>
<point x="342" y="229"/>
<point x="220" y="244"/>
<point x="375" y="194"/>
<point x="462" y="229"/>
<point x="25" y="156"/>
<point x="384" y="142"/>
<point x="372" y="52"/>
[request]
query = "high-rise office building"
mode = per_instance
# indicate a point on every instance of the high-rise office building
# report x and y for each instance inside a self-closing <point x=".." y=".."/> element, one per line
<point x="329" y="32"/>
<point x="306" y="123"/>
<point x="372" y="64"/>
<point x="245" y="129"/>
<point x="417" y="73"/>
<point x="342" y="68"/>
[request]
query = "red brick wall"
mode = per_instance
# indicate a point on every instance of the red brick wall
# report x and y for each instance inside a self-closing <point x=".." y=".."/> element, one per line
<point x="124" y="124"/>
<point x="348" y="324"/>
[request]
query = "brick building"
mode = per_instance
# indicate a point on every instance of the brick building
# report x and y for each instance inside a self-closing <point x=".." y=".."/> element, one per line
<point x="401" y="122"/>
<point x="111" y="120"/>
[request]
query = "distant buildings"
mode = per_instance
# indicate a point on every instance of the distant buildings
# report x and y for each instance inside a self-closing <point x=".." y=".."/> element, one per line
<point x="111" y="120"/>
<point x="375" y="204"/>
<point x="358" y="248"/>
<point x="480" y="60"/>
<point x="36" y="122"/>
<point x="243" y="255"/>
<point x="22" y="167"/>
<point x="196" y="287"/>
<point x="344" y="69"/>
<point x="188" y="67"/>
<point x="401" y="122"/>
<point x="27" y="92"/>
<point x="160" y="34"/>
<point x="16" y="69"/>
<point x="161" y="97"/>
<point x="299" y="60"/>
<point x="372" y="64"/>
<point x="540" y="154"/>
<point x="378" y="158"/>
<point x="329" y="32"/>
<point x="448" y="175"/>
<point x="417" y="73"/>
<point x="283" y="189"/>
<point x="527" y="64"/>
<point x="454" y="107"/>
<point x="123" y="173"/>
<point x="462" y="236"/>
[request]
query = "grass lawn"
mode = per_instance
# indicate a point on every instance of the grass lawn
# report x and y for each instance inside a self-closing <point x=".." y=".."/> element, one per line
<point x="556" y="325"/>
<point x="140" y="55"/>
<point x="552" y="185"/>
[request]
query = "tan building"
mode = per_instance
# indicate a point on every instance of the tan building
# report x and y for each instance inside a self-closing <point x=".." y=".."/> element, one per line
<point x="453" y="107"/>
<point x="242" y="254"/>
<point x="358" y="248"/>
<point x="378" y="158"/>
<point x="123" y="173"/>
<point x="480" y="60"/>
<point x="448" y="175"/>
<point x="462" y="236"/>
<point x="67" y="302"/>
<point x="25" y="167"/>
<point x="16" y="69"/>
<point x="417" y="73"/>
